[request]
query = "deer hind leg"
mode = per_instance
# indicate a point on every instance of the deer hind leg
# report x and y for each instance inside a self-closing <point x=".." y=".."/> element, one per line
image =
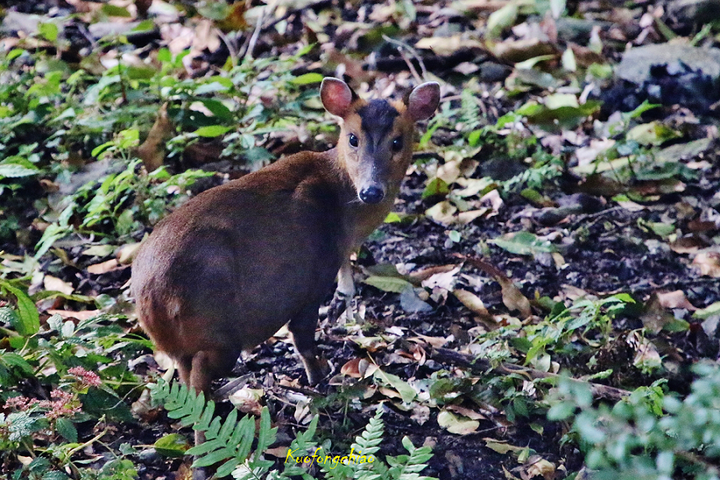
<point x="197" y="372"/>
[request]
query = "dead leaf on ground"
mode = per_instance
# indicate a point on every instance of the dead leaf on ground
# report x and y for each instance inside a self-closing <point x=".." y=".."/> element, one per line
<point x="457" y="424"/>
<point x="57" y="285"/>
<point x="104" y="267"/>
<point x="81" y="315"/>
<point x="511" y="295"/>
<point x="466" y="412"/>
<point x="675" y="299"/>
<point x="472" y="302"/>
<point x="152" y="150"/>
<point x="708" y="263"/>
<point x="539" y="467"/>
<point x="247" y="400"/>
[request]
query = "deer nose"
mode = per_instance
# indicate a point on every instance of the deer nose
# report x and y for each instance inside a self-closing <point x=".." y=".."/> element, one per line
<point x="372" y="194"/>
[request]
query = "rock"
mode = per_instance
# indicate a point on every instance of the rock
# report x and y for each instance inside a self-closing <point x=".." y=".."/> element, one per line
<point x="684" y="14"/>
<point x="637" y="63"/>
<point x="668" y="74"/>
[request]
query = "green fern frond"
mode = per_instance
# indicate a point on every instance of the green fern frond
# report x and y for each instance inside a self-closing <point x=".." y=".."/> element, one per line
<point x="229" y="442"/>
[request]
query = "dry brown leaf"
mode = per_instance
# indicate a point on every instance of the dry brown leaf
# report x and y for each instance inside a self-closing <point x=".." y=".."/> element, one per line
<point x="472" y="302"/>
<point x="444" y="280"/>
<point x="81" y="315"/>
<point x="104" y="267"/>
<point x="425" y="273"/>
<point x="511" y="295"/>
<point x="539" y="467"/>
<point x="447" y="45"/>
<point x="675" y="299"/>
<point x="708" y="263"/>
<point x="466" y="412"/>
<point x="689" y="244"/>
<point x="464" y="218"/>
<point x="493" y="200"/>
<point x="152" y="150"/>
<point x="442" y="212"/>
<point x="421" y="414"/>
<point x="435" y="342"/>
<point x="655" y="317"/>
<point x="521" y="50"/>
<point x="247" y="400"/>
<point x="56" y="285"/>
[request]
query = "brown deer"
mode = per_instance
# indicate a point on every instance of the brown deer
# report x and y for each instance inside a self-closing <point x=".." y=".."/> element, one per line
<point x="230" y="267"/>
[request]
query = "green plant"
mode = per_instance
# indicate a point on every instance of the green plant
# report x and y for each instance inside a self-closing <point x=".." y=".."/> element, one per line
<point x="651" y="434"/>
<point x="230" y="442"/>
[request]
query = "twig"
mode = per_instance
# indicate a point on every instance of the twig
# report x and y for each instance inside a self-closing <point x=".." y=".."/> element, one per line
<point x="402" y="45"/>
<point x="231" y="49"/>
<point x="255" y="35"/>
<point x="480" y="365"/>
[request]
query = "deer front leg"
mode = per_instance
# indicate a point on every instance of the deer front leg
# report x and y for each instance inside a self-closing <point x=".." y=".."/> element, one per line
<point x="342" y="300"/>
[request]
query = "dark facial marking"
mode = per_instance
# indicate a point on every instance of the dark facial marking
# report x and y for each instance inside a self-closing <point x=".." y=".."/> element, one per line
<point x="377" y="118"/>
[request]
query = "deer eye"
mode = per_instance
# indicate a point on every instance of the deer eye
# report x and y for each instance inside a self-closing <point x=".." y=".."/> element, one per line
<point x="353" y="140"/>
<point x="397" y="144"/>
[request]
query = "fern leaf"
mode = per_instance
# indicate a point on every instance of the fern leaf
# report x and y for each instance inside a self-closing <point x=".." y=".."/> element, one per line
<point x="205" y="447"/>
<point x="227" y="468"/>
<point x="212" y="432"/>
<point x="204" y="422"/>
<point x="266" y="435"/>
<point x="214" y="457"/>
<point x="247" y="435"/>
<point x="229" y="426"/>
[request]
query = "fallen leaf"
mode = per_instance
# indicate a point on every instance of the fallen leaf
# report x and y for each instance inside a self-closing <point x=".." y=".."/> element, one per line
<point x="466" y="412"/>
<point x="708" y="263"/>
<point x="57" y="285"/>
<point x="511" y="295"/>
<point x="442" y="212"/>
<point x="81" y="315"/>
<point x="247" y="400"/>
<point x="152" y="150"/>
<point x="104" y="267"/>
<point x="472" y="302"/>
<point x="675" y="299"/>
<point x="457" y="424"/>
<point x="501" y="447"/>
<point x="540" y="467"/>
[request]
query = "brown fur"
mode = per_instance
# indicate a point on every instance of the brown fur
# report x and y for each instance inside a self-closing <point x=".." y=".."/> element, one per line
<point x="226" y="270"/>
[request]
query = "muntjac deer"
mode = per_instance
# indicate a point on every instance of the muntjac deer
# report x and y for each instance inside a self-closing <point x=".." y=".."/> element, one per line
<point x="230" y="267"/>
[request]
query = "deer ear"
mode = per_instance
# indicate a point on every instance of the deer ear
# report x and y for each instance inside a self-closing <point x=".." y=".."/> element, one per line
<point x="423" y="101"/>
<point x="336" y="96"/>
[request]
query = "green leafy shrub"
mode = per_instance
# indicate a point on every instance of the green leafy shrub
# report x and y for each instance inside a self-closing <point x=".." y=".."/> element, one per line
<point x="651" y="434"/>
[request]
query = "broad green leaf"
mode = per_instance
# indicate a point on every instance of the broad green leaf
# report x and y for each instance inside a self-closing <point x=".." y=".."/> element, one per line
<point x="407" y="393"/>
<point x="49" y="31"/>
<point x="66" y="428"/>
<point x="172" y="445"/>
<point x="28" y="319"/>
<point x="501" y="19"/>
<point x="436" y="186"/>
<point x="709" y="311"/>
<point x="15" y="170"/>
<point x="212" y="131"/>
<point x="308" y="78"/>
<point x="115" y="11"/>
